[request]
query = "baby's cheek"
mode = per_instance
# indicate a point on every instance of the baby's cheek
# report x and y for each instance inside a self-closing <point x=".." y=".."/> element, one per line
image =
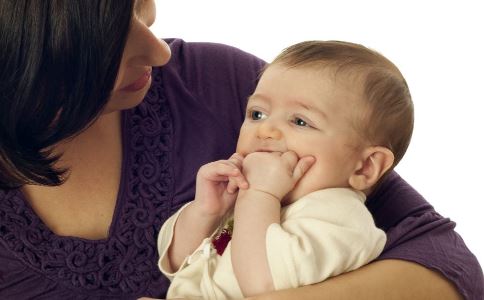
<point x="243" y="142"/>
<point x="312" y="180"/>
<point x="241" y="149"/>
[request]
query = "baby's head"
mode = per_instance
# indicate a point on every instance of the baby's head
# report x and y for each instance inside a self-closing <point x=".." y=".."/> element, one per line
<point x="342" y="103"/>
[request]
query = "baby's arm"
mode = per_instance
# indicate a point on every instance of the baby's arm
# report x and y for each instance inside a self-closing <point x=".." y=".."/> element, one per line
<point x="213" y="198"/>
<point x="271" y="176"/>
<point x="323" y="234"/>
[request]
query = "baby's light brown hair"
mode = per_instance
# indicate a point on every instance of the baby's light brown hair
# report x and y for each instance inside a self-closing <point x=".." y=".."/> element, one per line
<point x="387" y="116"/>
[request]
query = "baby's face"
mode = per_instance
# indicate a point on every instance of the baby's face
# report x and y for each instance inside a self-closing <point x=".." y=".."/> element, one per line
<point x="308" y="112"/>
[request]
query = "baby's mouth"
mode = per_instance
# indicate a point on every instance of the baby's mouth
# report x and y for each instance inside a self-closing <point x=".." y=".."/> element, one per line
<point x="269" y="150"/>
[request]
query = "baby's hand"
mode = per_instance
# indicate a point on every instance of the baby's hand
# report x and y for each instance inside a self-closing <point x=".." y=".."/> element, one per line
<point x="235" y="182"/>
<point x="214" y="194"/>
<point x="275" y="173"/>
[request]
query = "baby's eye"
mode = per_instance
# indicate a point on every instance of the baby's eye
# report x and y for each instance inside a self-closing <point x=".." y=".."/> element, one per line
<point x="257" y="115"/>
<point x="300" y="122"/>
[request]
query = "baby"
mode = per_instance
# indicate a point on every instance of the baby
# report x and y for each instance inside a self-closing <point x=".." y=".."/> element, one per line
<point x="325" y="123"/>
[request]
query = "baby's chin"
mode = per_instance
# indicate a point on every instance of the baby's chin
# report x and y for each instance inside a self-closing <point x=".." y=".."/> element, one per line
<point x="287" y="200"/>
<point x="294" y="195"/>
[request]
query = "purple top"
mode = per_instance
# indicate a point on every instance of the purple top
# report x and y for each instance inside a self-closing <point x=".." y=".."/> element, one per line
<point x="190" y="116"/>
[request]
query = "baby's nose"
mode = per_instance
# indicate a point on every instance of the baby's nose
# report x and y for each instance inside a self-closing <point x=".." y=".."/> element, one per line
<point x="268" y="130"/>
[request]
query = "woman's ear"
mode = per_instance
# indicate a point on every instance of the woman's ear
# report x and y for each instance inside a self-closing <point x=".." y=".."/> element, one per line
<point x="375" y="161"/>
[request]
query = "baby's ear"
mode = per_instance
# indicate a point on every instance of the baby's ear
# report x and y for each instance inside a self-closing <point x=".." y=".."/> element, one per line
<point x="374" y="162"/>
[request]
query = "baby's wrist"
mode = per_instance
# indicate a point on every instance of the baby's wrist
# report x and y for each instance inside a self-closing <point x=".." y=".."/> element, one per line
<point x="205" y="214"/>
<point x="259" y="193"/>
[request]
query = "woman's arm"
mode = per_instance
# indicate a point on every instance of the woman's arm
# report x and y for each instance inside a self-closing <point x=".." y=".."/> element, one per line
<point x="385" y="279"/>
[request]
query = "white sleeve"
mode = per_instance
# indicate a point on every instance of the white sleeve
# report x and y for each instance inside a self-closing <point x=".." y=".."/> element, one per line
<point x="165" y="238"/>
<point x="323" y="234"/>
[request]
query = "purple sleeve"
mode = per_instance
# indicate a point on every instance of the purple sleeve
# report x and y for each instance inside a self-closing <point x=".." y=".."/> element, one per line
<point x="417" y="233"/>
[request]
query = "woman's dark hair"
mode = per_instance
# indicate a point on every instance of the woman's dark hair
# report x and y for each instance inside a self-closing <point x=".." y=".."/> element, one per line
<point x="58" y="64"/>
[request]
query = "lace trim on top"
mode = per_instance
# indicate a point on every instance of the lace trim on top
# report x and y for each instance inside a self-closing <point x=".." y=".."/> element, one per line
<point x="125" y="262"/>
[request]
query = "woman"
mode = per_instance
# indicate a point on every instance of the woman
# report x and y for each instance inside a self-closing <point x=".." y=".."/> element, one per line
<point x="93" y="160"/>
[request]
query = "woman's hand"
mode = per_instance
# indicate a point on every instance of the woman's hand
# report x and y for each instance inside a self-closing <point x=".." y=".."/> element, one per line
<point x="217" y="184"/>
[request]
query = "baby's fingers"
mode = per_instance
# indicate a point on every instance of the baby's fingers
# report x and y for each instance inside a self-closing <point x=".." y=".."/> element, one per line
<point x="237" y="182"/>
<point x="236" y="159"/>
<point x="231" y="186"/>
<point x="218" y="171"/>
<point x="303" y="165"/>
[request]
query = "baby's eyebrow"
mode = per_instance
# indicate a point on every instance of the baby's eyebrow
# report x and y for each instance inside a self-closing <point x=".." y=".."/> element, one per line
<point x="258" y="97"/>
<point x="310" y="108"/>
<point x="296" y="102"/>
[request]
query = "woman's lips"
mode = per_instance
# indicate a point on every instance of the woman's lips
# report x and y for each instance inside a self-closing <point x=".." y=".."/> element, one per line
<point x="139" y="83"/>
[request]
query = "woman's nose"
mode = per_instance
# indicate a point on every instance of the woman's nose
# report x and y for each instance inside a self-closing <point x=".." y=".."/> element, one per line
<point x="159" y="52"/>
<point x="144" y="48"/>
<point x="268" y="130"/>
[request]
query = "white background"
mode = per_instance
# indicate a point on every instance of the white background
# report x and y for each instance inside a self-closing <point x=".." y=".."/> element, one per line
<point x="438" y="46"/>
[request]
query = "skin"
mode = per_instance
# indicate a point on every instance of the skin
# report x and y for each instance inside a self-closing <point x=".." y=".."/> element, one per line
<point x="280" y="129"/>
<point x="381" y="280"/>
<point x="213" y="198"/>
<point x="294" y="113"/>
<point x="297" y="128"/>
<point x="295" y="109"/>
<point x="83" y="207"/>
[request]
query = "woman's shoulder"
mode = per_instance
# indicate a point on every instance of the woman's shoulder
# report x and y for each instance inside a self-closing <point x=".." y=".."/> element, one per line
<point x="212" y="63"/>
<point x="210" y="52"/>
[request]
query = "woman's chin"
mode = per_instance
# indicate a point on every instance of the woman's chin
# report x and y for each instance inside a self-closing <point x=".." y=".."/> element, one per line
<point x="125" y="100"/>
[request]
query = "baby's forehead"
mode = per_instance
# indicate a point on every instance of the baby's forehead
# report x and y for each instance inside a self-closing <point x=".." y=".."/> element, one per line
<point x="307" y="82"/>
<point x="341" y="76"/>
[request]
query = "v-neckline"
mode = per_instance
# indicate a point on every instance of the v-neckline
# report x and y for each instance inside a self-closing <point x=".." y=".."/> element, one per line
<point x="119" y="196"/>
